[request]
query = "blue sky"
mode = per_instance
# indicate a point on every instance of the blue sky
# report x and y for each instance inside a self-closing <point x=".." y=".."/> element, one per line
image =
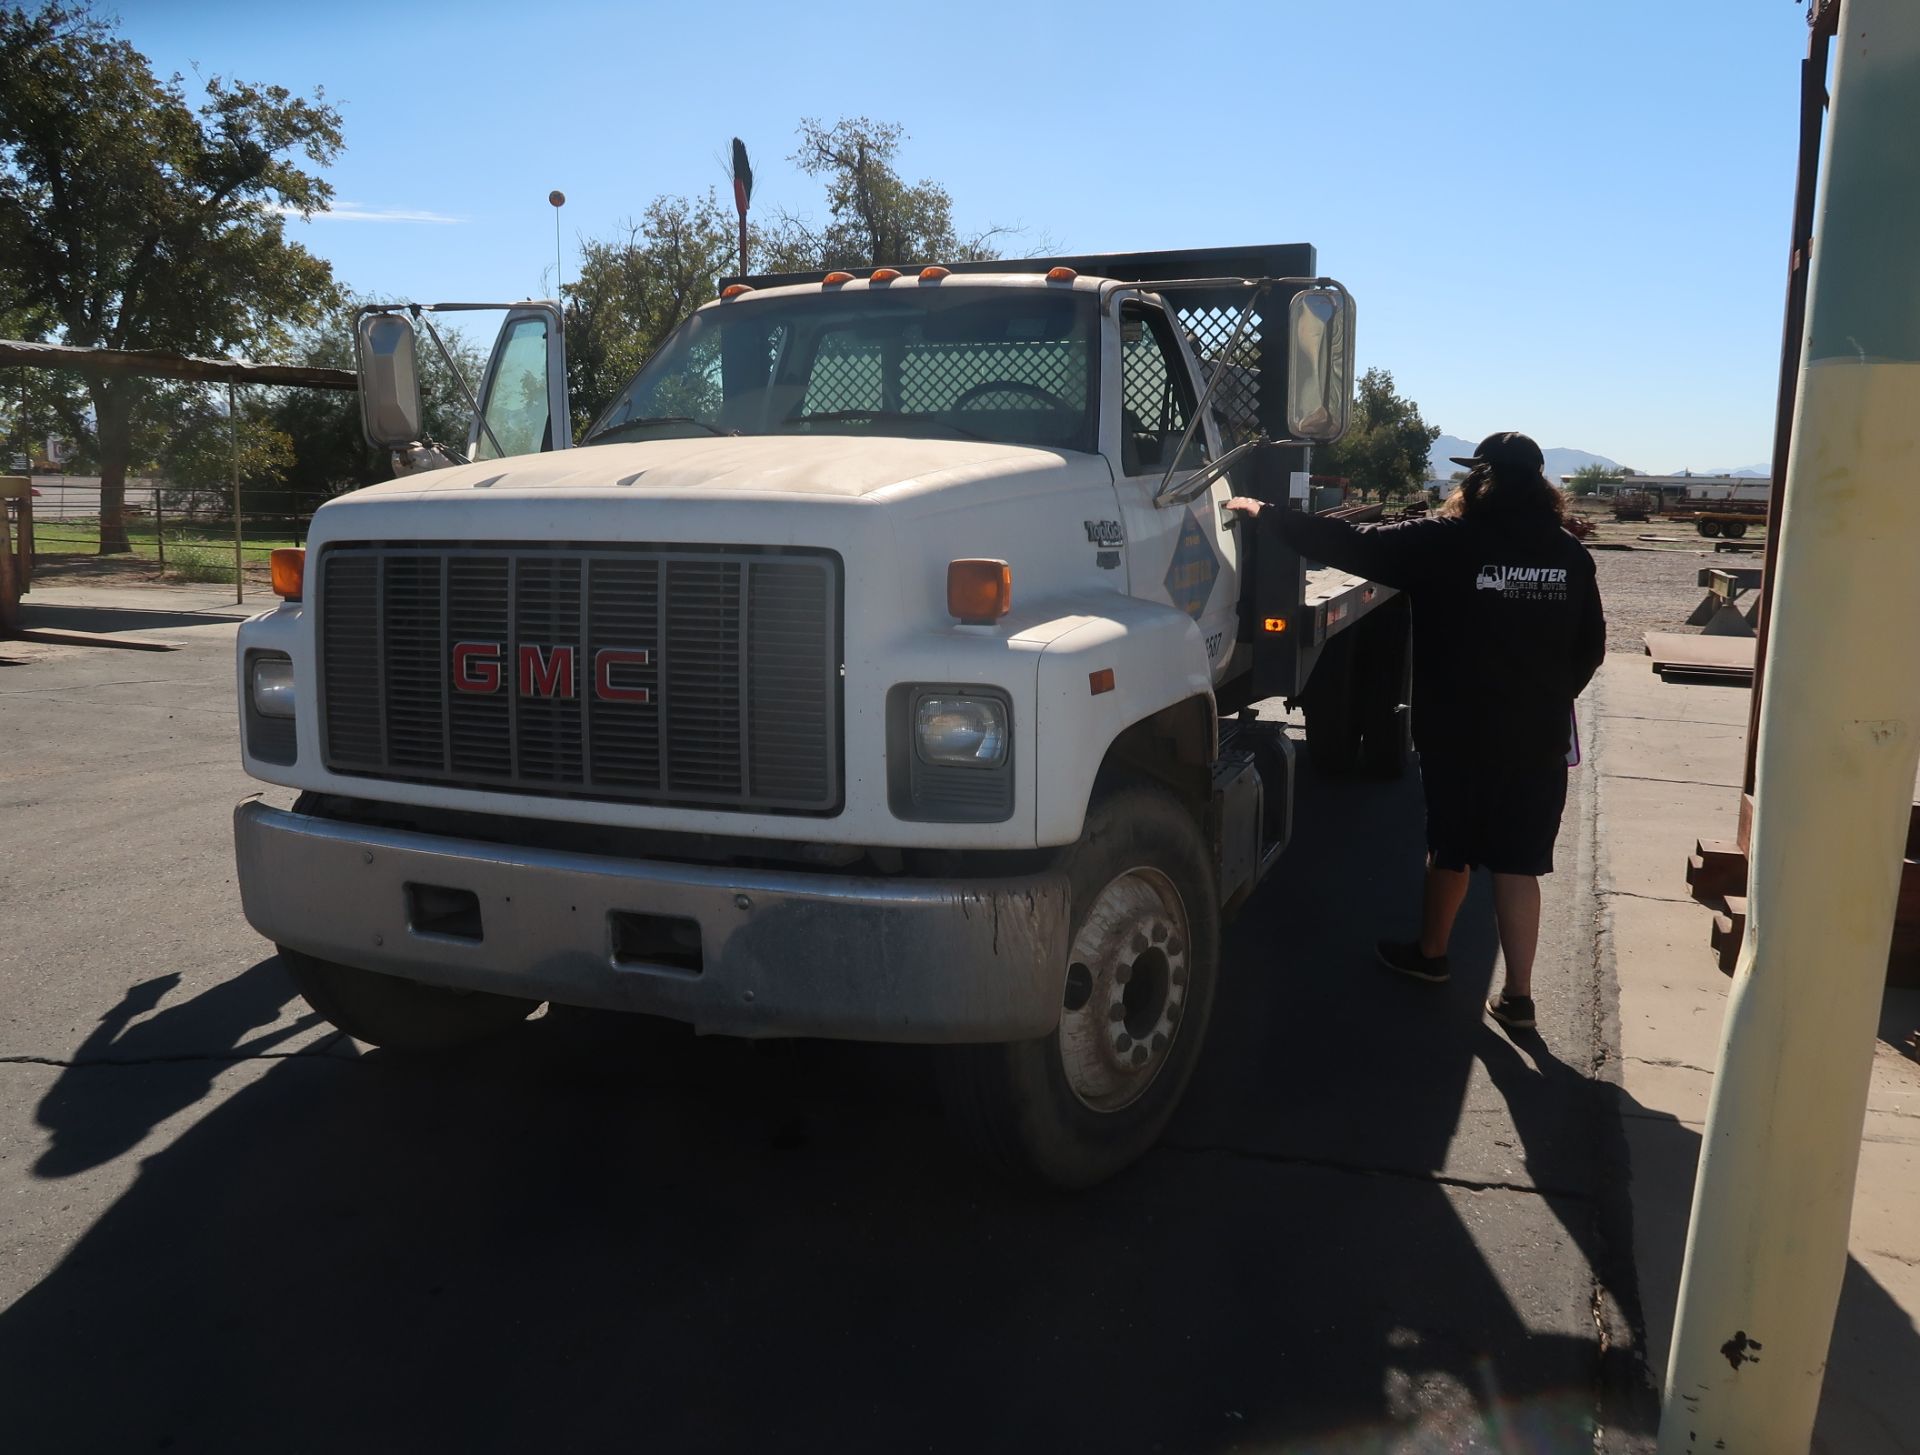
<point x="1567" y="218"/>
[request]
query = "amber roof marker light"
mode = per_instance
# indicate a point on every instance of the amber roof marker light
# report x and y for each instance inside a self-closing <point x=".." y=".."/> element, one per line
<point x="1061" y="275"/>
<point x="935" y="273"/>
<point x="734" y="290"/>
<point x="883" y="275"/>
<point x="835" y="279"/>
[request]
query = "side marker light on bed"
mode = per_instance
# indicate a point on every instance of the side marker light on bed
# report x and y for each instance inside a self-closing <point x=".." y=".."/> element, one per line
<point x="1101" y="681"/>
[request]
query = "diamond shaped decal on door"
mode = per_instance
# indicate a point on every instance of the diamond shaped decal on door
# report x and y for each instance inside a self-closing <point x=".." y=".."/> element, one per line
<point x="1193" y="569"/>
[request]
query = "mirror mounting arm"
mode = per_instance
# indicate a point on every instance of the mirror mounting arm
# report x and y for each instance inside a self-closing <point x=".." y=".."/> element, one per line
<point x="1161" y="494"/>
<point x="461" y="379"/>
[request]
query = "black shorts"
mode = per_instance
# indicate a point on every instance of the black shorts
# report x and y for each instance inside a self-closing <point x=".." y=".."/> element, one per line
<point x="1502" y="816"/>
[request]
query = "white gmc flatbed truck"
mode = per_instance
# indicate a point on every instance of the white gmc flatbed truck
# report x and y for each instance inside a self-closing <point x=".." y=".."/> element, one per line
<point x="880" y="666"/>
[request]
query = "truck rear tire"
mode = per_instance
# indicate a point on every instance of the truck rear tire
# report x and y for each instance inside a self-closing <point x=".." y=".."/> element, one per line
<point x="1733" y="529"/>
<point x="404" y="1015"/>
<point x="1074" y="1107"/>
<point x="1708" y="528"/>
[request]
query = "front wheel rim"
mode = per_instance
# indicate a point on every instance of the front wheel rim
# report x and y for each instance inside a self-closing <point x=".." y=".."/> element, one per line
<point x="1127" y="981"/>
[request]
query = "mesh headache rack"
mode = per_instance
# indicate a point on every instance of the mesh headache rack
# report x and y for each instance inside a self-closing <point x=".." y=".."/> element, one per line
<point x="1251" y="398"/>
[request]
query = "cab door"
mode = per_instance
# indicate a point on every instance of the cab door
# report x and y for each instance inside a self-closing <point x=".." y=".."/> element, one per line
<point x="523" y="407"/>
<point x="1178" y="551"/>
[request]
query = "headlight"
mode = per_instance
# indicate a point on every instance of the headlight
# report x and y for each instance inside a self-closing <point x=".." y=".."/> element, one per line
<point x="271" y="684"/>
<point x="970" y="731"/>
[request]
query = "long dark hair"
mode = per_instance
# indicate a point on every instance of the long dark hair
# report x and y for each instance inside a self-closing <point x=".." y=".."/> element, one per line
<point x="1491" y="492"/>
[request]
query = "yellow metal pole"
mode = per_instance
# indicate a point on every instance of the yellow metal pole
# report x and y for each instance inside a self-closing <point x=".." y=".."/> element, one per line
<point x="1839" y="737"/>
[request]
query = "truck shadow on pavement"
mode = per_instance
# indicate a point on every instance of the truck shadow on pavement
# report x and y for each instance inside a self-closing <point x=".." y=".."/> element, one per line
<point x="591" y="1235"/>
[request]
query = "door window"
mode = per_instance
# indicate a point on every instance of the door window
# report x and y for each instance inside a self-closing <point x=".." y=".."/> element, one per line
<point x="1156" y="397"/>
<point x="516" y="409"/>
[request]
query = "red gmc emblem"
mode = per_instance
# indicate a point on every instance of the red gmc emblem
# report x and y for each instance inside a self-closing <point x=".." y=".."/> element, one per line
<point x="548" y="671"/>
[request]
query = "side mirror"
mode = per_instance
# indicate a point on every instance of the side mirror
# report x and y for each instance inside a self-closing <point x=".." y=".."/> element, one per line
<point x="1319" y="364"/>
<point x="389" y="380"/>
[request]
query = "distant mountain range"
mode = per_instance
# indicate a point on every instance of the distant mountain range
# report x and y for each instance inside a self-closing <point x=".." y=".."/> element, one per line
<point x="1559" y="461"/>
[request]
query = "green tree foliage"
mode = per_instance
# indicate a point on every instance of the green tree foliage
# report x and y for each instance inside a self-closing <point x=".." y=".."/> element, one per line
<point x="874" y="216"/>
<point x="1589" y="478"/>
<point x="634" y="290"/>
<point x="135" y="219"/>
<point x="1385" y="446"/>
<point x="197" y="454"/>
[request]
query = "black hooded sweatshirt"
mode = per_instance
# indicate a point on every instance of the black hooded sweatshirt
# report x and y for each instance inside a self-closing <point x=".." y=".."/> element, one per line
<point x="1507" y="625"/>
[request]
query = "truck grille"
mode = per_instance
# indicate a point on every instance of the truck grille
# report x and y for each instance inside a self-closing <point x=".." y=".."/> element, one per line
<point x="695" y="676"/>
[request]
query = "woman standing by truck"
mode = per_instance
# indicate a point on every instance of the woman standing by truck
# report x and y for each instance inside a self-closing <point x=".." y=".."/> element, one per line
<point x="1507" y="631"/>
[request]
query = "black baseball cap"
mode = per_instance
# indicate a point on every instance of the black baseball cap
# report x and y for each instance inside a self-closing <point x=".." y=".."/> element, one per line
<point x="1509" y="449"/>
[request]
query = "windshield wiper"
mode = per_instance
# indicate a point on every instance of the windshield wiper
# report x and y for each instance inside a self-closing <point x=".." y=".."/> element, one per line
<point x="624" y="424"/>
<point x="834" y="416"/>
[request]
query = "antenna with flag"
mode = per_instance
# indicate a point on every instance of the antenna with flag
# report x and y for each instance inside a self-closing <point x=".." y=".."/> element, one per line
<point x="742" y="195"/>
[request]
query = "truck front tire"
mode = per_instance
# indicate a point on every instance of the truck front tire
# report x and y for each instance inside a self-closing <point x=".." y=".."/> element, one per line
<point x="1072" y="1108"/>
<point x="404" y="1015"/>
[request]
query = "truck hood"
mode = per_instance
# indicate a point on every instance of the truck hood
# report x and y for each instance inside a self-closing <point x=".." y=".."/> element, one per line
<point x="761" y="465"/>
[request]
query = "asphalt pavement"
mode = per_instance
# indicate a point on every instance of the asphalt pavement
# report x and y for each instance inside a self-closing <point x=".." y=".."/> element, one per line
<point x="1378" y="1224"/>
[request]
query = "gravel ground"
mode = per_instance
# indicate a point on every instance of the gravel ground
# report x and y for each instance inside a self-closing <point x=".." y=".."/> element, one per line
<point x="1654" y="587"/>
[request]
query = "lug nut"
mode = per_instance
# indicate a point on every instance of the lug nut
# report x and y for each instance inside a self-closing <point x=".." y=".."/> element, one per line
<point x="1159" y="934"/>
<point x="1123" y="974"/>
<point x="1159" y="1042"/>
<point x="1176" y="946"/>
<point x="1123" y="1043"/>
<point x="1139" y="1055"/>
<point x="1117" y="1013"/>
<point x="1139" y="943"/>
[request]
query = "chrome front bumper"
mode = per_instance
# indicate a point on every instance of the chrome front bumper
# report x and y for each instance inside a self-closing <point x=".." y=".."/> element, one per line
<point x="780" y="953"/>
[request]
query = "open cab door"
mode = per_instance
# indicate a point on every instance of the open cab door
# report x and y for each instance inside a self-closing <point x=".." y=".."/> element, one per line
<point x="519" y="408"/>
<point x="522" y="407"/>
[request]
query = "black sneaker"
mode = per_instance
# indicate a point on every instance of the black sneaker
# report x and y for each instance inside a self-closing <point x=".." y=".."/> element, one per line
<point x="1515" y="1012"/>
<point x="1405" y="959"/>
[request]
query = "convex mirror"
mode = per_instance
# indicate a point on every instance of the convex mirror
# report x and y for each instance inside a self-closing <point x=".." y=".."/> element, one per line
<point x="389" y="380"/>
<point x="1319" y="364"/>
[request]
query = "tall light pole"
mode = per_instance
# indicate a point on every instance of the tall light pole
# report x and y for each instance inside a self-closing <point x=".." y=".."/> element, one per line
<point x="559" y="200"/>
<point x="1838" y="742"/>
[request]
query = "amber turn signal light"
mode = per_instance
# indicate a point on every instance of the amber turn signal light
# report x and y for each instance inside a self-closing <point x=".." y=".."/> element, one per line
<point x="1274" y="624"/>
<point x="289" y="572"/>
<point x="979" y="592"/>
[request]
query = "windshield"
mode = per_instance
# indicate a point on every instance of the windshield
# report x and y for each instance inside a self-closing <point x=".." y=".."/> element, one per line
<point x="1009" y="365"/>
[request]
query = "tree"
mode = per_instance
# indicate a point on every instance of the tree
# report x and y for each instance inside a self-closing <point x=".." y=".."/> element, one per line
<point x="1386" y="443"/>
<point x="134" y="219"/>
<point x="1589" y="478"/>
<point x="874" y="215"/>
<point x="631" y="293"/>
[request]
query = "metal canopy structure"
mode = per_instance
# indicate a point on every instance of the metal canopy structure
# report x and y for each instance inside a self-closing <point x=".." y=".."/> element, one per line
<point x="159" y="364"/>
